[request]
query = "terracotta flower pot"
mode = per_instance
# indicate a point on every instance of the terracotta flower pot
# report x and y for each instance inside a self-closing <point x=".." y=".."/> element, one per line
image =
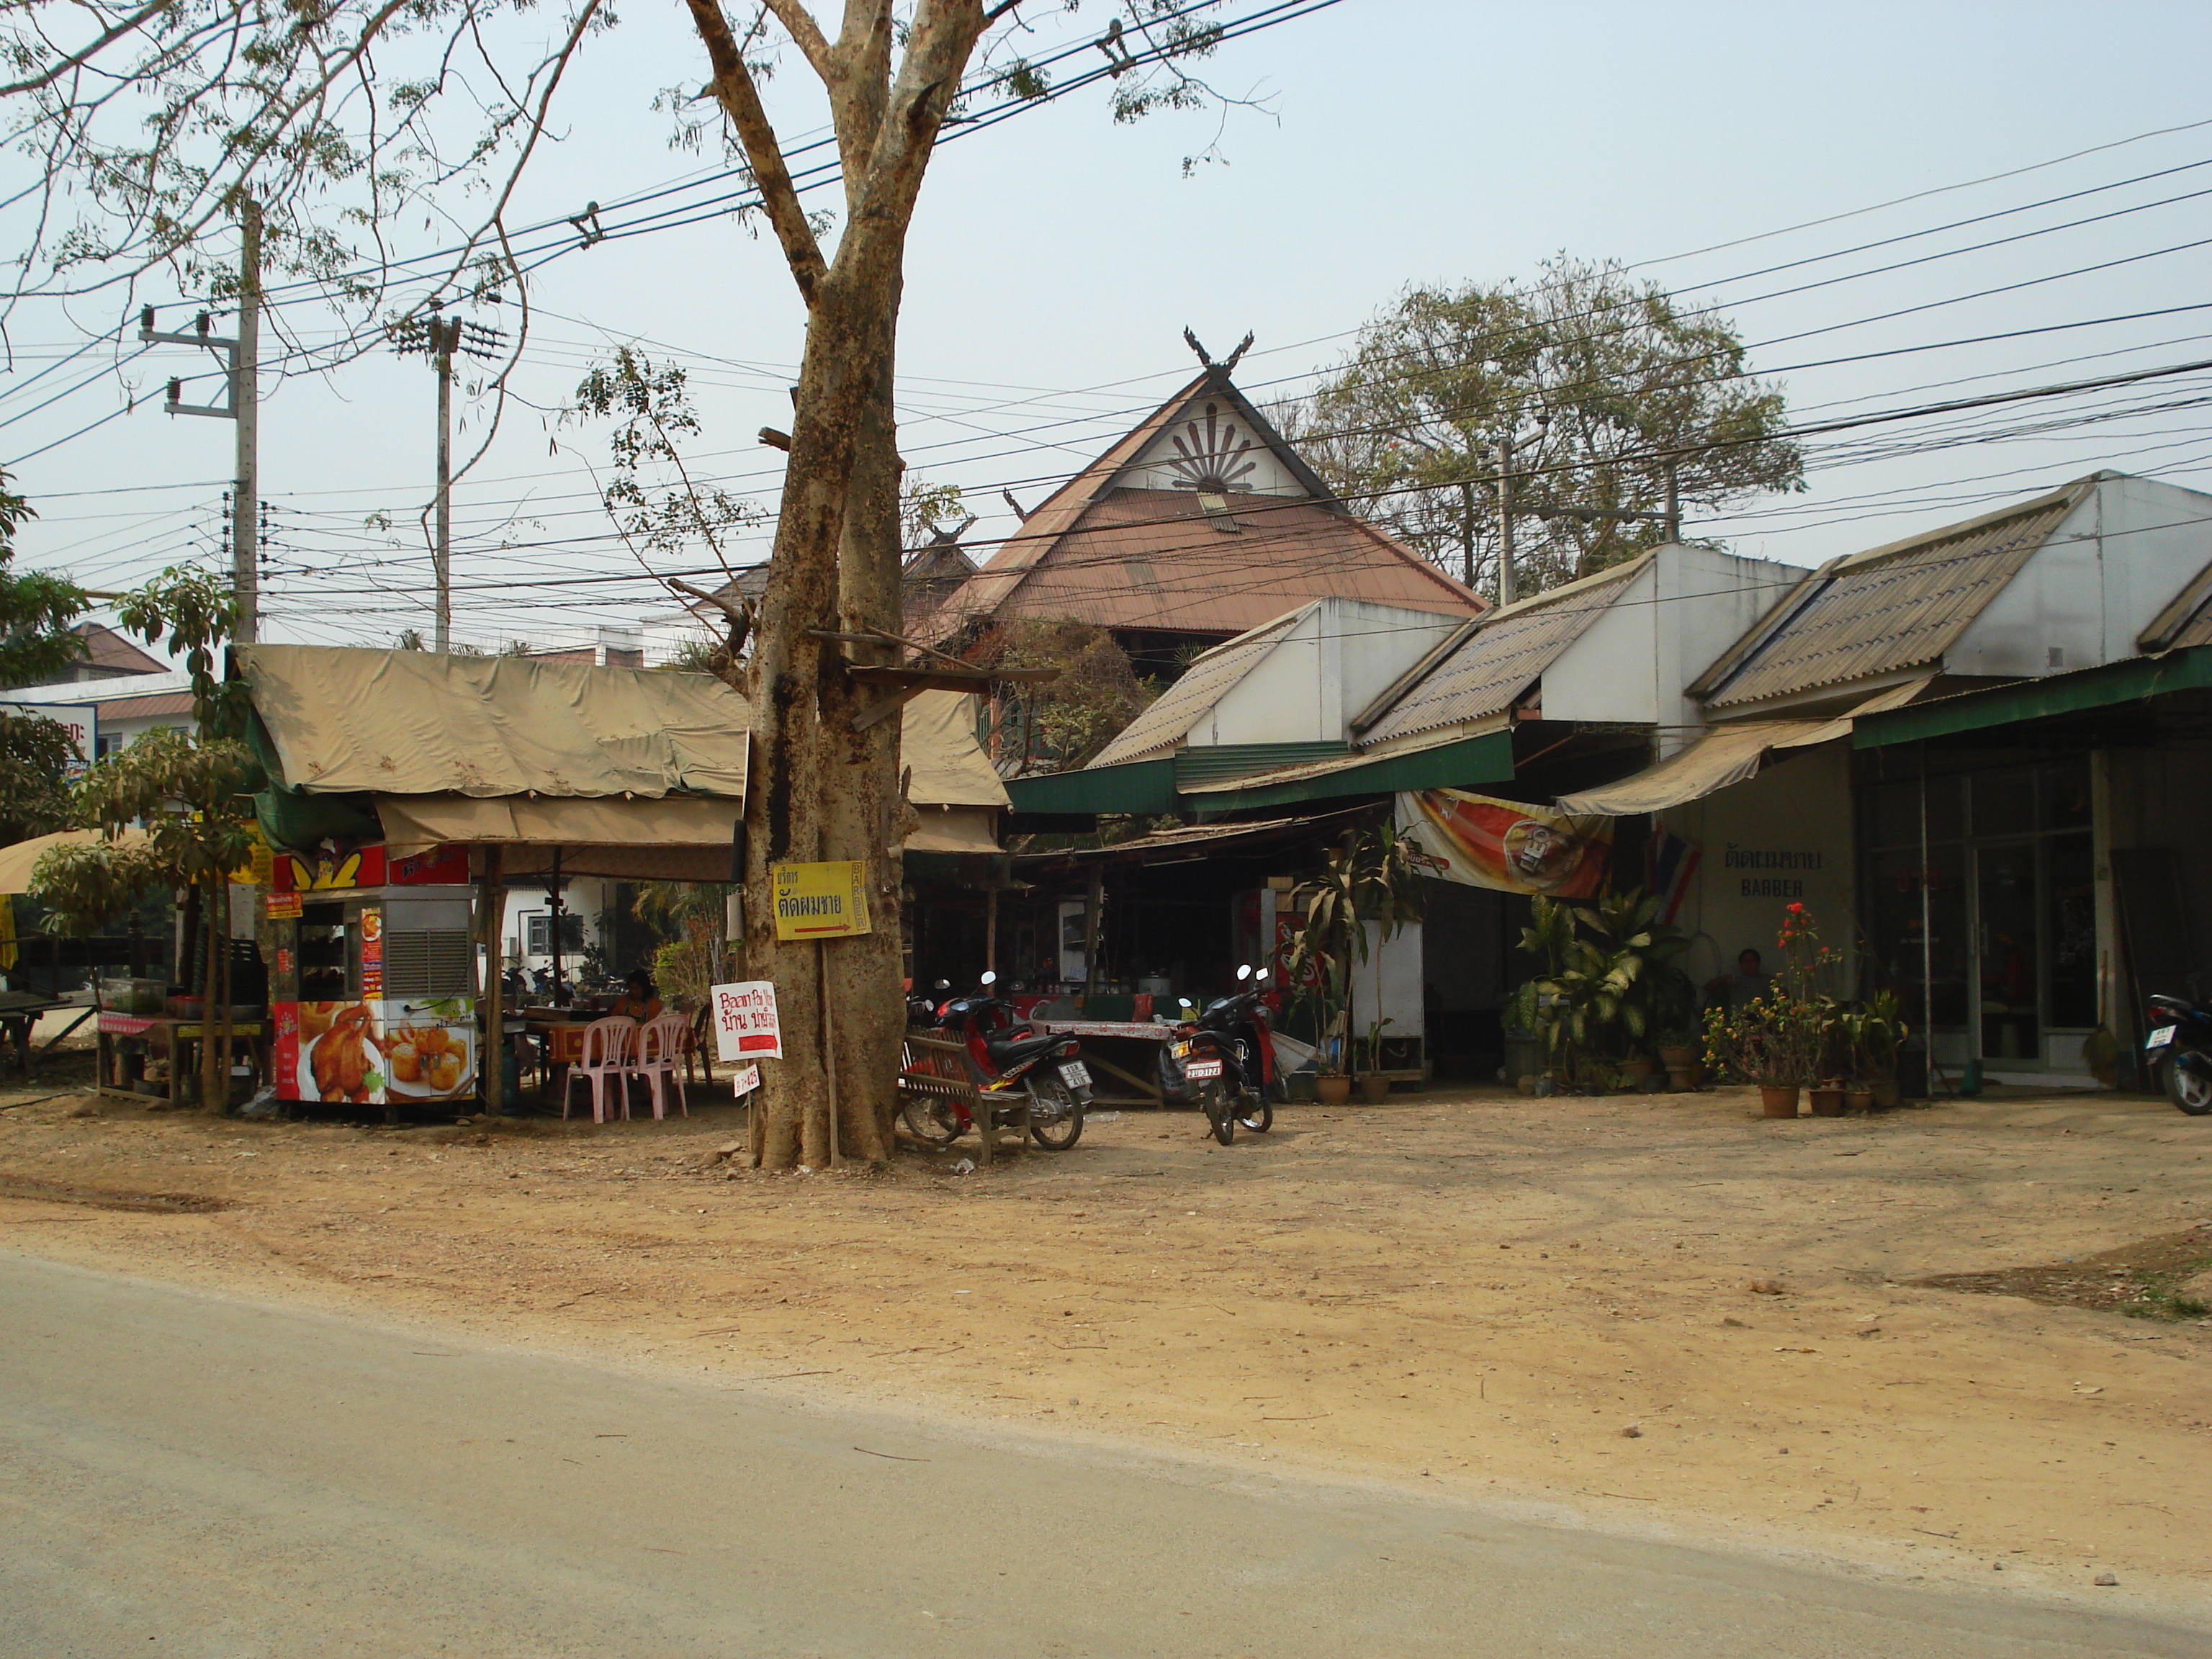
<point x="1373" y="1087"/>
<point x="1639" y="1070"/>
<point x="1332" y="1089"/>
<point x="1861" y="1100"/>
<point x="1678" y="1059"/>
<point x="1888" y="1097"/>
<point x="1683" y="1079"/>
<point x="1777" y="1100"/>
<point x="1827" y="1103"/>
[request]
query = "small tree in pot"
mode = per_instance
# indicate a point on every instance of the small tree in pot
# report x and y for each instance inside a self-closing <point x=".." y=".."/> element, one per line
<point x="1370" y="876"/>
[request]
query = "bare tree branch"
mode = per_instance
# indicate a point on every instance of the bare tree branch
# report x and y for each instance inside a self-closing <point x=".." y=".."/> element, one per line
<point x="734" y="88"/>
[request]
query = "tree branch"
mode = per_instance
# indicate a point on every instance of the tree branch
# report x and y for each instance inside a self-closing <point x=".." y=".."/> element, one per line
<point x="805" y="34"/>
<point x="741" y="100"/>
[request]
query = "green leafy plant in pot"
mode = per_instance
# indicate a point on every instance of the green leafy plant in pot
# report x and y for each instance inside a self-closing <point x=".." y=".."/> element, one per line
<point x="1608" y="986"/>
<point x="1370" y="876"/>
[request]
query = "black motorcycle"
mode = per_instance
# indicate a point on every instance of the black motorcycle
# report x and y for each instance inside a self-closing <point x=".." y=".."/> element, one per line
<point x="2180" y="1048"/>
<point x="1227" y="1053"/>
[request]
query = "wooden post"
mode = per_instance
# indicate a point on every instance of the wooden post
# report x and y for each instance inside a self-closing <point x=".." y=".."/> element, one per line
<point x="829" y="1041"/>
<point x="1094" y="902"/>
<point x="491" y="898"/>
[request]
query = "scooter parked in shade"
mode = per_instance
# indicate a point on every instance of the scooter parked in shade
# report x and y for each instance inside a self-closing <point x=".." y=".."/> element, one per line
<point x="1229" y="1052"/>
<point x="2179" y="1050"/>
<point x="1047" y="1071"/>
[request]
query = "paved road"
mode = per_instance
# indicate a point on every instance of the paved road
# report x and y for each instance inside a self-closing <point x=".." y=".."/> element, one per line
<point x="181" y="1474"/>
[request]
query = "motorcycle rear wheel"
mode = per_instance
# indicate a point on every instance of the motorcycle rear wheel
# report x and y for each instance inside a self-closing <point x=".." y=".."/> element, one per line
<point x="1214" y="1099"/>
<point x="1255" y="1112"/>
<point x="931" y="1121"/>
<point x="2190" y="1090"/>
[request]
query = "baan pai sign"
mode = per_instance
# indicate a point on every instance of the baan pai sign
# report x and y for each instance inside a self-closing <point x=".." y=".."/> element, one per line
<point x="821" y="900"/>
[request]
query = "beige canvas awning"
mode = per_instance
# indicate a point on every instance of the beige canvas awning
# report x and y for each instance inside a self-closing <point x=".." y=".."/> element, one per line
<point x="1724" y="756"/>
<point x="16" y="861"/>
<point x="954" y="829"/>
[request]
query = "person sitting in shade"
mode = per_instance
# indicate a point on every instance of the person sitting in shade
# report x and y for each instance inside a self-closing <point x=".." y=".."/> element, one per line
<point x="640" y="1000"/>
<point x="1750" y="979"/>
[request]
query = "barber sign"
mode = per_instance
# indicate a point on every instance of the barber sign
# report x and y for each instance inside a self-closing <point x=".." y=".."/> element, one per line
<point x="745" y="1024"/>
<point x="820" y="901"/>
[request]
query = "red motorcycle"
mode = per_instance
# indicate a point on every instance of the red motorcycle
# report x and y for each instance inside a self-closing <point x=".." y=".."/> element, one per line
<point x="1046" y="1073"/>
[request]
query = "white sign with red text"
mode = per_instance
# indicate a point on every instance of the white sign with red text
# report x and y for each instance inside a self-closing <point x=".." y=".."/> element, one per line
<point x="745" y="1024"/>
<point x="747" y="1080"/>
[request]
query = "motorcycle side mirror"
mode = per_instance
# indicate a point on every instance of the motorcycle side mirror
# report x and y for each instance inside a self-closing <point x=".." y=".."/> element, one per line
<point x="989" y="978"/>
<point x="1243" y="972"/>
<point x="1262" y="977"/>
<point x="943" y="985"/>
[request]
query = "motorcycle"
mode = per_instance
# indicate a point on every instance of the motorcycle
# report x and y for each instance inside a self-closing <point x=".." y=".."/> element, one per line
<point x="1229" y="1053"/>
<point x="1044" y="1071"/>
<point x="2180" y="1047"/>
<point x="925" y="1012"/>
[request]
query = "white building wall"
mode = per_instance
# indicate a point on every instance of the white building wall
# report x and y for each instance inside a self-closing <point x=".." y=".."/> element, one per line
<point x="1686" y="607"/>
<point x="2111" y="566"/>
<point x="1338" y="660"/>
<point x="1782" y="837"/>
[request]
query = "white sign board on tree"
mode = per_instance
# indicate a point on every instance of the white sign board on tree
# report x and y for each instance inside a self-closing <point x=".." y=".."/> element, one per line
<point x="745" y="1023"/>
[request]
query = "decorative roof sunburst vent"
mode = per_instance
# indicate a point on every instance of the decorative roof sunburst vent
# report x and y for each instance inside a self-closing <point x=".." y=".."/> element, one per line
<point x="1211" y="455"/>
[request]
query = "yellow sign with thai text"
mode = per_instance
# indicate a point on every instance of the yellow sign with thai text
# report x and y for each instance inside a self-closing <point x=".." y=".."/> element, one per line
<point x="821" y="900"/>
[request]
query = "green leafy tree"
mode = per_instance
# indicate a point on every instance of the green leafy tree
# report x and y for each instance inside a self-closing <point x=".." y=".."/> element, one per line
<point x="1059" y="724"/>
<point x="1601" y="381"/>
<point x="37" y="643"/>
<point x="1609" y="986"/>
<point x="192" y="793"/>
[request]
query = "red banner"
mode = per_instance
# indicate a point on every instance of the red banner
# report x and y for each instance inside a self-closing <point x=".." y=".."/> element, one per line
<point x="1507" y="844"/>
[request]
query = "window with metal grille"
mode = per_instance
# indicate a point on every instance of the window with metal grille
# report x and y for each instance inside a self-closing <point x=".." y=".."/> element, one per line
<point x="439" y="963"/>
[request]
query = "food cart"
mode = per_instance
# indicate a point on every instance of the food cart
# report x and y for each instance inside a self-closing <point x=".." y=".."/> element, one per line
<point x="372" y="985"/>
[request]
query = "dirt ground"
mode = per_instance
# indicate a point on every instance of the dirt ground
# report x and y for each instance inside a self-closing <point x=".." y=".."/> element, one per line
<point x="1660" y="1312"/>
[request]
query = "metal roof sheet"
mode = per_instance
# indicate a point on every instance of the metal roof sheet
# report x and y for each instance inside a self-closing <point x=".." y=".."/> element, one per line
<point x="1205" y="683"/>
<point x="1897" y="607"/>
<point x="1506" y="653"/>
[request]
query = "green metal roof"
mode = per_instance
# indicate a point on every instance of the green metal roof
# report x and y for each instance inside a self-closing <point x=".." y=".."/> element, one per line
<point x="1146" y="785"/>
<point x="2128" y="681"/>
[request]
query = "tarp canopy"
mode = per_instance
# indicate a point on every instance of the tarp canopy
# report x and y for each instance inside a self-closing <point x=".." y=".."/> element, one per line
<point x="16" y="862"/>
<point x="420" y="723"/>
<point x="1724" y="756"/>
<point x="634" y="771"/>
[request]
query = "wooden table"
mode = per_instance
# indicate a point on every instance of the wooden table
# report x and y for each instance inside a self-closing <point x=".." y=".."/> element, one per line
<point x="1148" y="1091"/>
<point x="19" y="1013"/>
<point x="178" y="1037"/>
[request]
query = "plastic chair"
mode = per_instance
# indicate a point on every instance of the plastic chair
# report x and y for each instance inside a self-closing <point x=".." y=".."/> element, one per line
<point x="659" y="1052"/>
<point x="699" y="1042"/>
<point x="605" y="1063"/>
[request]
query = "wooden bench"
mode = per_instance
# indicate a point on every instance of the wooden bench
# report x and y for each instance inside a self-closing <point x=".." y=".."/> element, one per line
<point x="933" y="1066"/>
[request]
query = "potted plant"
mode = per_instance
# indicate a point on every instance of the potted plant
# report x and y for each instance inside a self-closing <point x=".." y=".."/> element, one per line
<point x="1370" y="876"/>
<point x="1882" y="1034"/>
<point x="1373" y="1083"/>
<point x="1769" y="1041"/>
<point x="1608" y="984"/>
<point x="1678" y="1053"/>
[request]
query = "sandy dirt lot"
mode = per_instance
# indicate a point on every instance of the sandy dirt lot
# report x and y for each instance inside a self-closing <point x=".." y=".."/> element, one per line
<point x="1656" y="1312"/>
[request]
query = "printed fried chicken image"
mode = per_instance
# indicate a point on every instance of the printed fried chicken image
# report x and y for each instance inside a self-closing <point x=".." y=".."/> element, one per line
<point x="341" y="1059"/>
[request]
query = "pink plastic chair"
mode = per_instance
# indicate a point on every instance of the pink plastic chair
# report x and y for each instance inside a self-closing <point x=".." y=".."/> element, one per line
<point x="659" y="1054"/>
<point x="607" y="1049"/>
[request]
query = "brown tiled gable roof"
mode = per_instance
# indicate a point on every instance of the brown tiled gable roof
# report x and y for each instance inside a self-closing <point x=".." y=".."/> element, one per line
<point x="1157" y="560"/>
<point x="1894" y="608"/>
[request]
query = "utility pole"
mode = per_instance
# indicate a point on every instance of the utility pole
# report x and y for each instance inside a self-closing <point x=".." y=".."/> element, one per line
<point x="1505" y="593"/>
<point x="1467" y="527"/>
<point x="439" y="338"/>
<point x="242" y="404"/>
<point x="1674" y="502"/>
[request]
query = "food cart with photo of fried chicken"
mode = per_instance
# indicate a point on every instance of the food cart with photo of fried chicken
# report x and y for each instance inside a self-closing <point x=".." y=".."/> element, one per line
<point x="373" y="985"/>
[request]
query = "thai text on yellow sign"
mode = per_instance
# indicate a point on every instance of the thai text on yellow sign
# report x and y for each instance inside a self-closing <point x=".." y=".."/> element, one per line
<point x="821" y="900"/>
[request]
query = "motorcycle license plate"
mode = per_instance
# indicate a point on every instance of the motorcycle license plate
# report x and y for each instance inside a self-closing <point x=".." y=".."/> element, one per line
<point x="1075" y="1074"/>
<point x="2159" y="1039"/>
<point x="1199" y="1070"/>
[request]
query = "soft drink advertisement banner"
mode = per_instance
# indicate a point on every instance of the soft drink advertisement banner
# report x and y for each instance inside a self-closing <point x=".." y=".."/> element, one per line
<point x="1507" y="844"/>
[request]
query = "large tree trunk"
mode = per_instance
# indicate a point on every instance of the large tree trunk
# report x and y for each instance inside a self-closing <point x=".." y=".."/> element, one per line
<point x="821" y="789"/>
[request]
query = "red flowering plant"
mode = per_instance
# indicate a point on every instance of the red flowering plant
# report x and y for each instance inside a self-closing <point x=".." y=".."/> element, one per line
<point x="1783" y="1037"/>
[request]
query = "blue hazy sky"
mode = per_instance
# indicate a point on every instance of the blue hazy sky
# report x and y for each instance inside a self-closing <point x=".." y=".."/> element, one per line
<point x="1056" y="259"/>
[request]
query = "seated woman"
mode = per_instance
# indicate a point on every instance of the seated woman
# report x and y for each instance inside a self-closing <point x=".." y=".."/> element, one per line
<point x="639" y="1001"/>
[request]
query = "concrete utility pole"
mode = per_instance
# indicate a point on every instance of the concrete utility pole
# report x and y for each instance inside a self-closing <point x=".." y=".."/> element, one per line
<point x="440" y="337"/>
<point x="1505" y="593"/>
<point x="242" y="404"/>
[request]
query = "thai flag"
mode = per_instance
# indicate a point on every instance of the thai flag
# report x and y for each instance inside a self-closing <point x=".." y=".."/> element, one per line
<point x="1674" y="863"/>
